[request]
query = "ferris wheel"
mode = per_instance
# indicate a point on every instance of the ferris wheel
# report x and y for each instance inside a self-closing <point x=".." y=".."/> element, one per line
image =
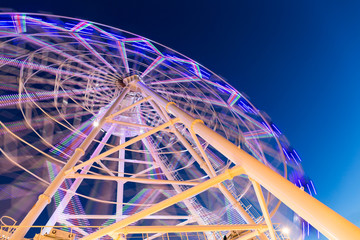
<point x="108" y="135"/>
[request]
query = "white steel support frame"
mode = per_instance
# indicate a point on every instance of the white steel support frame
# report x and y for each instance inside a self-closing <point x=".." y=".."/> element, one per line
<point x="123" y="145"/>
<point x="207" y="167"/>
<point x="114" y="229"/>
<point x="45" y="198"/>
<point x="130" y="179"/>
<point x="160" y="234"/>
<point x="327" y="221"/>
<point x="191" y="228"/>
<point x="75" y="185"/>
<point x="170" y="177"/>
<point x="264" y="209"/>
<point x="120" y="184"/>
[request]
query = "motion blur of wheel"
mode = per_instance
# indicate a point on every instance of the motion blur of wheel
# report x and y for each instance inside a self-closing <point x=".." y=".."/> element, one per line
<point x="58" y="77"/>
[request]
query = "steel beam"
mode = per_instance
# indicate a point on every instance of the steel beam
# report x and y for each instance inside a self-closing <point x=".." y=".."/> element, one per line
<point x="120" y="184"/>
<point x="75" y="185"/>
<point x="264" y="209"/>
<point x="127" y="108"/>
<point x="78" y="216"/>
<point x="134" y="125"/>
<point x="112" y="229"/>
<point x="191" y="228"/>
<point x="123" y="145"/>
<point x="130" y="179"/>
<point x="207" y="167"/>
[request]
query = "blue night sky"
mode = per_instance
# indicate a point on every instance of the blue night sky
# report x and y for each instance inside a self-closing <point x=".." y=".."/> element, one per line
<point x="299" y="61"/>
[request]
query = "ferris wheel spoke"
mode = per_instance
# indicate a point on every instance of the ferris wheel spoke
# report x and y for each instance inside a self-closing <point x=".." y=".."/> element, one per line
<point x="175" y="80"/>
<point x="153" y="65"/>
<point x="30" y="145"/>
<point x="61" y="53"/>
<point x="35" y="66"/>
<point x="93" y="51"/>
<point x="8" y="100"/>
<point x="182" y="95"/>
<point x="122" y="50"/>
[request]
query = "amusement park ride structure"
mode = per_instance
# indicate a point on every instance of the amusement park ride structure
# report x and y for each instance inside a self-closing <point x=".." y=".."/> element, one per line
<point x="124" y="136"/>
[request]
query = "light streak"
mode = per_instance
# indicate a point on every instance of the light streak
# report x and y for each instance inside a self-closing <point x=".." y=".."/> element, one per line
<point x="49" y="46"/>
<point x="105" y="32"/>
<point x="240" y="114"/>
<point x="286" y="154"/>
<point x="153" y="65"/>
<point x="312" y="184"/>
<point x="19" y="23"/>
<point x="91" y="49"/>
<point x="233" y="98"/>
<point x="35" y="123"/>
<point x="46" y="24"/>
<point x="300" y="183"/>
<point x="138" y="199"/>
<point x="260" y="133"/>
<point x="12" y="99"/>
<point x="67" y="146"/>
<point x="273" y="125"/>
<point x="147" y="42"/>
<point x="194" y="65"/>
<point x="123" y="54"/>
<point x="297" y="155"/>
<point x="307" y="185"/>
<point x="78" y="27"/>
<point x="35" y="66"/>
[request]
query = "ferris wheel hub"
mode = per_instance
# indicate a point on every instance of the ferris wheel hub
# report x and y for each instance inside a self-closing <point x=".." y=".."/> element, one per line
<point x="119" y="83"/>
<point x="132" y="116"/>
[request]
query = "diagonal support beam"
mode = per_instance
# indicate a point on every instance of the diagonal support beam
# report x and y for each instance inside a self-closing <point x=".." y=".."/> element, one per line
<point x="128" y="108"/>
<point x="177" y="217"/>
<point x="202" y="151"/>
<point x="260" y="197"/>
<point x="190" y="228"/>
<point x="160" y="234"/>
<point x="189" y="205"/>
<point x="135" y="125"/>
<point x="228" y="195"/>
<point x="117" y="148"/>
<point x="228" y="174"/>
<point x="129" y="179"/>
<point x="251" y="235"/>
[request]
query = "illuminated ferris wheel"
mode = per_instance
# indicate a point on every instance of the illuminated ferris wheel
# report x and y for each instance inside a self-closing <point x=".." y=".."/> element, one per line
<point x="108" y="135"/>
